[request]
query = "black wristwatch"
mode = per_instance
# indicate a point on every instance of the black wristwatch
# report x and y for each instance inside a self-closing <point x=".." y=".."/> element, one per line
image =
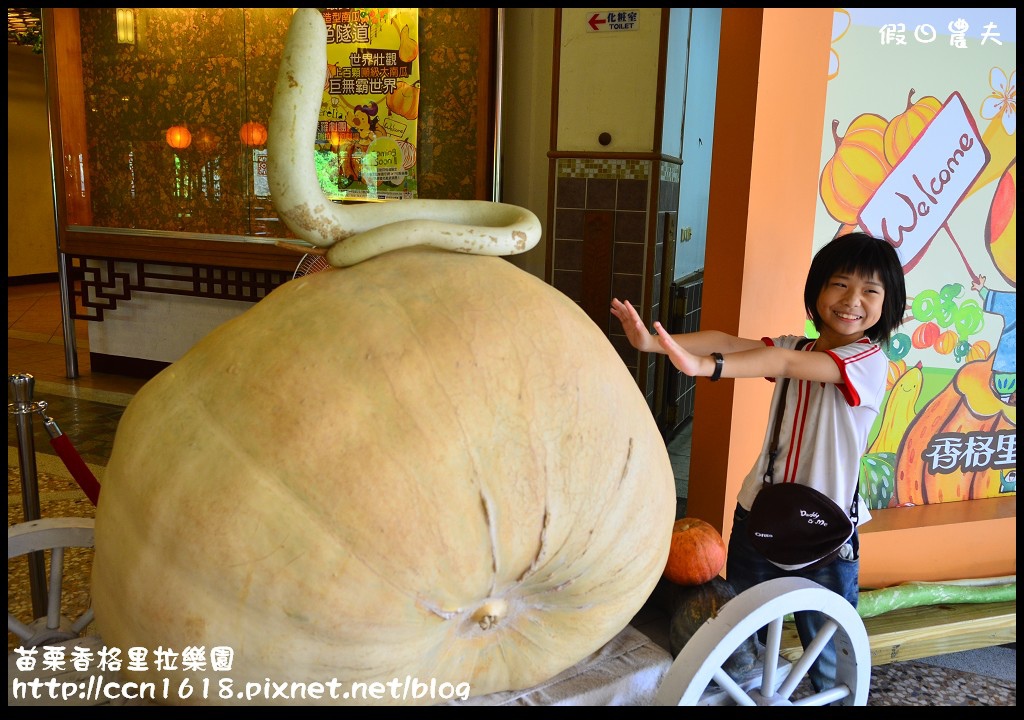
<point x="719" y="364"/>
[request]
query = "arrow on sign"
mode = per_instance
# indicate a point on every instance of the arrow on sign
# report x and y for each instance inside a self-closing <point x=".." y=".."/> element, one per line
<point x="596" y="20"/>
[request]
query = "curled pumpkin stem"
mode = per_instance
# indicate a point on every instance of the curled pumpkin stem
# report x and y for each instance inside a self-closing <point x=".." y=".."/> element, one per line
<point x="355" y="233"/>
<point x="490" y="613"/>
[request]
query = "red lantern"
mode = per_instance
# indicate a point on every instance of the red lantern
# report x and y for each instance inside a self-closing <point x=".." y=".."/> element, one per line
<point x="178" y="137"/>
<point x="253" y="134"/>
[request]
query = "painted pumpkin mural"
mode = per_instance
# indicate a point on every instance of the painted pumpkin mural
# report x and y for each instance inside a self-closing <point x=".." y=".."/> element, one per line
<point x="903" y="129"/>
<point x="938" y="182"/>
<point x="941" y="458"/>
<point x="856" y="169"/>
<point x="1001" y="228"/>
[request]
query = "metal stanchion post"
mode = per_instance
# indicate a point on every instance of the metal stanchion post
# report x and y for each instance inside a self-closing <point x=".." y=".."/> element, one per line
<point x="66" y="308"/>
<point x="22" y="386"/>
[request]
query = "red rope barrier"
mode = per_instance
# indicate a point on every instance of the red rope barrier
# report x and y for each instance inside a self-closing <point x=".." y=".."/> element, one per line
<point x="77" y="467"/>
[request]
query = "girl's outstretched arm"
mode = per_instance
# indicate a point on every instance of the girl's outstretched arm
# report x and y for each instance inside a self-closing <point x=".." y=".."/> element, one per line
<point x="703" y="342"/>
<point x="758" y="361"/>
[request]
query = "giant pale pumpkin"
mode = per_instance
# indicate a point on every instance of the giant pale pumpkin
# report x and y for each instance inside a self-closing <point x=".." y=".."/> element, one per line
<point x="428" y="464"/>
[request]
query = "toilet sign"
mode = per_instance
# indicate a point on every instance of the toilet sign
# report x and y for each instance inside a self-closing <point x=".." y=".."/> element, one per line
<point x="612" y="20"/>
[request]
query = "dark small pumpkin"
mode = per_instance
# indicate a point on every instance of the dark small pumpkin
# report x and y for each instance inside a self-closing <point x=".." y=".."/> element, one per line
<point x="692" y="606"/>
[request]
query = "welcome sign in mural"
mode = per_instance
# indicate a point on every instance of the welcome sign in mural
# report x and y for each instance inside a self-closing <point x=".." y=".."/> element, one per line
<point x="920" y="148"/>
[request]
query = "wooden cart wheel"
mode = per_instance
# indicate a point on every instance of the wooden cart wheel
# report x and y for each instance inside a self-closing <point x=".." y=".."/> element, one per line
<point x="49" y="535"/>
<point x="697" y="677"/>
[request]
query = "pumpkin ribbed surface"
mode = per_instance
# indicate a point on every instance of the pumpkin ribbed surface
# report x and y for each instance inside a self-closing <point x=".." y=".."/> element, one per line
<point x="428" y="464"/>
<point x="404" y="100"/>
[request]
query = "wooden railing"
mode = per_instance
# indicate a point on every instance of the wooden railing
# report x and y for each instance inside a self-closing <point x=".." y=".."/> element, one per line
<point x="911" y="633"/>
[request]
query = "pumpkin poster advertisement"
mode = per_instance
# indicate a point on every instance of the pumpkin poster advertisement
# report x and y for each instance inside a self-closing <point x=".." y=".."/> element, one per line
<point x="919" y="147"/>
<point x="366" y="137"/>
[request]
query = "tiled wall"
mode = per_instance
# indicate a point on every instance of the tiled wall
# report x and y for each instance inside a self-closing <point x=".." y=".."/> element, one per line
<point x="605" y="244"/>
<point x="665" y="237"/>
<point x="600" y="233"/>
<point x="685" y="298"/>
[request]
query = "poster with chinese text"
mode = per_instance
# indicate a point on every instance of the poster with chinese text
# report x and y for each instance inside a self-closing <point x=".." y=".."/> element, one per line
<point x="366" y="137"/>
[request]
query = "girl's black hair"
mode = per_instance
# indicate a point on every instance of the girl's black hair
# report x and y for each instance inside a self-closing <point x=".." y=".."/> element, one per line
<point x="860" y="254"/>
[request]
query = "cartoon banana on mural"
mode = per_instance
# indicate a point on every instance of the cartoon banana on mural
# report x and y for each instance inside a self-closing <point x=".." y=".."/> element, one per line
<point x="900" y="409"/>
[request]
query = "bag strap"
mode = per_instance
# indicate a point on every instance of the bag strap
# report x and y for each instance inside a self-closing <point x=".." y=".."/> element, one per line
<point x="773" y="448"/>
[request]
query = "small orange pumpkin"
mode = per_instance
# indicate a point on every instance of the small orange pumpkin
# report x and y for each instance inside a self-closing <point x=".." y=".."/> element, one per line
<point x="979" y="351"/>
<point x="945" y="342"/>
<point x="925" y="335"/>
<point x="697" y="552"/>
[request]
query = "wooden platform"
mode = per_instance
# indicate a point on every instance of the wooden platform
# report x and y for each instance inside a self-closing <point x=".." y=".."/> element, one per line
<point x="912" y="633"/>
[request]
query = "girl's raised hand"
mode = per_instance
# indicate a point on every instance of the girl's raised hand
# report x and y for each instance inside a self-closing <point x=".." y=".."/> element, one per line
<point x="633" y="326"/>
<point x="684" y="360"/>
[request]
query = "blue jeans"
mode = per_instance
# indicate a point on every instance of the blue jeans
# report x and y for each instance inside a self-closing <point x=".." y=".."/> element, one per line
<point x="746" y="567"/>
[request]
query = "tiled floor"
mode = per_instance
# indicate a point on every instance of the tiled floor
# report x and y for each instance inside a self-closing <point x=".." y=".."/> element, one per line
<point x="89" y="407"/>
<point x="679" y="455"/>
<point x="86" y="408"/>
<point x="35" y="342"/>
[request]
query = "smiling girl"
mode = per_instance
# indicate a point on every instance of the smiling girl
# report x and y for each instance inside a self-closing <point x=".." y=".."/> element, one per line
<point x="855" y="294"/>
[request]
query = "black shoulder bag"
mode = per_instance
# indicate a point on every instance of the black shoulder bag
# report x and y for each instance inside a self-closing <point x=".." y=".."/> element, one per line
<point x="793" y="525"/>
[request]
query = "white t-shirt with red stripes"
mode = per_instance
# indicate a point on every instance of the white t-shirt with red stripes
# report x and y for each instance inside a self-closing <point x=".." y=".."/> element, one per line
<point x="825" y="428"/>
